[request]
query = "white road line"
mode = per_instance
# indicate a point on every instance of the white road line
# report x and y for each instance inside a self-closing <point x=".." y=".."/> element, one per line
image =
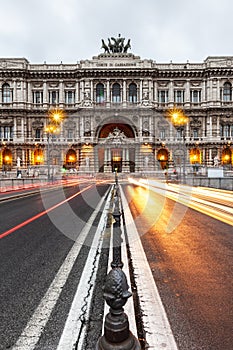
<point x="33" y="330"/>
<point x="83" y="296"/>
<point x="156" y="324"/>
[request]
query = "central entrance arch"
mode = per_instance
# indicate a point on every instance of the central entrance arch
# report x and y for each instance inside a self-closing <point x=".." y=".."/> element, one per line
<point x="116" y="148"/>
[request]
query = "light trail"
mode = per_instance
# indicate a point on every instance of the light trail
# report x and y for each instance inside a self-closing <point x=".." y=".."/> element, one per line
<point x="188" y="196"/>
<point x="37" y="216"/>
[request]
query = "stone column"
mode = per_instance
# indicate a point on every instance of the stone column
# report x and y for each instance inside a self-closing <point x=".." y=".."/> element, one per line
<point x="155" y="93"/>
<point x="29" y="93"/>
<point x="171" y="92"/>
<point x="140" y="91"/>
<point x="203" y="127"/>
<point x="124" y="94"/>
<point x="45" y="97"/>
<point x="125" y="160"/>
<point x="15" y="131"/>
<point x="218" y="126"/>
<point x="210" y="127"/>
<point x="187" y="92"/>
<point x="61" y="97"/>
<point x="107" y="160"/>
<point x="77" y="93"/>
<point x="108" y="92"/>
<point x="22" y="129"/>
<point x="210" y="160"/>
<point x="92" y="90"/>
<point x="15" y="95"/>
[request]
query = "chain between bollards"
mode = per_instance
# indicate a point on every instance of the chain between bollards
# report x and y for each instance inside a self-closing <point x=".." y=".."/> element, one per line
<point x="117" y="335"/>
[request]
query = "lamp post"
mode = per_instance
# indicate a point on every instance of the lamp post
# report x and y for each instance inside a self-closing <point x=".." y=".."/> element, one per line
<point x="179" y="120"/>
<point x="50" y="130"/>
<point x="56" y="117"/>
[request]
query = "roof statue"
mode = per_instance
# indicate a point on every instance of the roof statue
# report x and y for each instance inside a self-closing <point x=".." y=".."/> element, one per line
<point x="116" y="45"/>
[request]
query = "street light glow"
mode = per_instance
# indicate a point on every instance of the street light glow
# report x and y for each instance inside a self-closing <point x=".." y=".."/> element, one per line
<point x="56" y="115"/>
<point x="52" y="129"/>
<point x="177" y="116"/>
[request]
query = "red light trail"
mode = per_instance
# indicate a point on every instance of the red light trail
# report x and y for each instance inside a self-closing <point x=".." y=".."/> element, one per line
<point x="37" y="216"/>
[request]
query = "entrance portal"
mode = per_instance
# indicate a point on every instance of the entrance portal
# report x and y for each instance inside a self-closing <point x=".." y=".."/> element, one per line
<point x="116" y="160"/>
<point x="117" y="154"/>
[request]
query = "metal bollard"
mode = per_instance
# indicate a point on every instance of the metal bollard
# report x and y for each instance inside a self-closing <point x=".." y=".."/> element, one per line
<point x="117" y="335"/>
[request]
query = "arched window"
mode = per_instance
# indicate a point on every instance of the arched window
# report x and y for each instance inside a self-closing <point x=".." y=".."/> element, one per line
<point x="227" y="92"/>
<point x="226" y="156"/>
<point x="38" y="157"/>
<point x="133" y="93"/>
<point x="6" y="93"/>
<point x="116" y="93"/>
<point x="71" y="158"/>
<point x="195" y="156"/>
<point x="100" y="98"/>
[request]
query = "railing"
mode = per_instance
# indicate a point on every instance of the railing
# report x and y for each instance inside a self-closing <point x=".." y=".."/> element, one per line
<point x="116" y="326"/>
<point x="9" y="184"/>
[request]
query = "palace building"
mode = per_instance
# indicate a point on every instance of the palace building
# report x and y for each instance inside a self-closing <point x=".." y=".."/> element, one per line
<point x="118" y="111"/>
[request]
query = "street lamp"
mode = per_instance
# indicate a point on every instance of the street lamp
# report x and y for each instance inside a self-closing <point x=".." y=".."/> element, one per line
<point x="56" y="117"/>
<point x="179" y="120"/>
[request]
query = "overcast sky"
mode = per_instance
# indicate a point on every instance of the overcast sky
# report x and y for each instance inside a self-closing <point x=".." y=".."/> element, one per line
<point x="71" y="30"/>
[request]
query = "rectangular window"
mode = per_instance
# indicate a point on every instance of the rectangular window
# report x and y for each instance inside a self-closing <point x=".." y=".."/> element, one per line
<point x="7" y="132"/>
<point x="100" y="93"/>
<point x="226" y="130"/>
<point x="195" y="133"/>
<point x="53" y="97"/>
<point x="163" y="96"/>
<point x="195" y="96"/>
<point x="162" y="134"/>
<point x="179" y="96"/>
<point x="69" y="97"/>
<point x="7" y="95"/>
<point x="38" y="133"/>
<point x="38" y="97"/>
<point x="179" y="134"/>
<point x="70" y="134"/>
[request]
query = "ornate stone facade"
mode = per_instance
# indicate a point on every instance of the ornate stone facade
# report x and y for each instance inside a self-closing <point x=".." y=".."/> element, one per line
<point x="115" y="106"/>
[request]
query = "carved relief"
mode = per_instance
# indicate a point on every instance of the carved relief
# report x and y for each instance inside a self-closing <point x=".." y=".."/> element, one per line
<point x="37" y="84"/>
<point x="195" y="122"/>
<point x="179" y="83"/>
<point x="226" y="120"/>
<point x="70" y="125"/>
<point x="37" y="124"/>
<point x="195" y="83"/>
<point x="69" y="84"/>
<point x="163" y="83"/>
<point x="53" y="84"/>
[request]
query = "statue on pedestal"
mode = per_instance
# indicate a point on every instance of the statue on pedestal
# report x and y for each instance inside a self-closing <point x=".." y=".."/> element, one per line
<point x="116" y="45"/>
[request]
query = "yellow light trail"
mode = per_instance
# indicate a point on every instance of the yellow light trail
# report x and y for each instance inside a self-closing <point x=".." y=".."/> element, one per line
<point x="188" y="196"/>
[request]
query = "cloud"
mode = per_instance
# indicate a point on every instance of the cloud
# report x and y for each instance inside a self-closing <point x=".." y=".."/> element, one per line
<point x="71" y="30"/>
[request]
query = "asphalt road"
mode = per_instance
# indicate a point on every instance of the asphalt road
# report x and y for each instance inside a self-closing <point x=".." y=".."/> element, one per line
<point x="192" y="266"/>
<point x="190" y="255"/>
<point x="31" y="255"/>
